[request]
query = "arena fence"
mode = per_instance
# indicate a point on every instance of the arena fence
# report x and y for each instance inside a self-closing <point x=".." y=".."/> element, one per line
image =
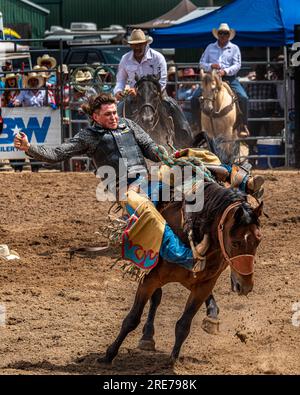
<point x="267" y="155"/>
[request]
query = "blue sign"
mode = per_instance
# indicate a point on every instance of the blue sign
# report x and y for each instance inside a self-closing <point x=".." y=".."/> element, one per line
<point x="33" y="127"/>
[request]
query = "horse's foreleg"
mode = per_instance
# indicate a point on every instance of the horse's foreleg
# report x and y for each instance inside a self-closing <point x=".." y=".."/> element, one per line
<point x="147" y="342"/>
<point x="211" y="323"/>
<point x="212" y="309"/>
<point x="132" y="320"/>
<point x="183" y="325"/>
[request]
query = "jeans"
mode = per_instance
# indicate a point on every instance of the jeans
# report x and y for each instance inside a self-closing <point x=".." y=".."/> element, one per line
<point x="242" y="96"/>
<point x="172" y="248"/>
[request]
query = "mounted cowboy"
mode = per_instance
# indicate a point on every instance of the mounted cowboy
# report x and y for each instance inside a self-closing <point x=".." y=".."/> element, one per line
<point x="142" y="61"/>
<point x="109" y="141"/>
<point x="225" y="57"/>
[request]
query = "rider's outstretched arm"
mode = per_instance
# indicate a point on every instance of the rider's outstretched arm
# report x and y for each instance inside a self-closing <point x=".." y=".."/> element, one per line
<point x="75" y="146"/>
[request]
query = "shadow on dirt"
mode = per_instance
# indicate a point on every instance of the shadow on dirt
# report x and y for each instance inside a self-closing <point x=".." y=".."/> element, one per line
<point x="128" y="362"/>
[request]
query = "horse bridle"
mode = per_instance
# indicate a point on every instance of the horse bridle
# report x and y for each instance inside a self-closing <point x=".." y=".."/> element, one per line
<point x="242" y="264"/>
<point x="155" y="113"/>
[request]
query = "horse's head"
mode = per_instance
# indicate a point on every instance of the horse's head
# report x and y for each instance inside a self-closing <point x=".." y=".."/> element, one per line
<point x="148" y="99"/>
<point x="234" y="230"/>
<point x="211" y="84"/>
<point x="239" y="236"/>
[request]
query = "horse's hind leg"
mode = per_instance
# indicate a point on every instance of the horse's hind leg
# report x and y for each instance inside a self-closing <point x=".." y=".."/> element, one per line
<point x="132" y="320"/>
<point x="147" y="342"/>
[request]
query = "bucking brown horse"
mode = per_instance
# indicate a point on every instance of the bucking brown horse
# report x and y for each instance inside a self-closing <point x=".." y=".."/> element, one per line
<point x="234" y="232"/>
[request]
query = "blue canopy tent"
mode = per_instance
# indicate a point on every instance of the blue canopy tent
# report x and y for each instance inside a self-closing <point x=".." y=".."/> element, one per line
<point x="259" y="23"/>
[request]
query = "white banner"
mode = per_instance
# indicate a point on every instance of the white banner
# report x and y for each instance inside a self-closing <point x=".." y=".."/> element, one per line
<point x="41" y="125"/>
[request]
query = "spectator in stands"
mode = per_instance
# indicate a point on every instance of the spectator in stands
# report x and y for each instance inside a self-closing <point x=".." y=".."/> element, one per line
<point x="34" y="96"/>
<point x="12" y="90"/>
<point x="49" y="88"/>
<point x="80" y="92"/>
<point x="8" y="66"/>
<point x="50" y="63"/>
<point x="171" y="88"/>
<point x="186" y="91"/>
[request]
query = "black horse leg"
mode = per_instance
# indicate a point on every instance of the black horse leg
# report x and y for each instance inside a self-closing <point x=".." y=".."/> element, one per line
<point x="132" y="320"/>
<point x="183" y="325"/>
<point x="147" y="342"/>
<point x="212" y="309"/>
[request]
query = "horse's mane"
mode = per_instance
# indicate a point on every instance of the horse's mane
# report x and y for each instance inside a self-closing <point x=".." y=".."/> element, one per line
<point x="216" y="200"/>
<point x="207" y="78"/>
<point x="148" y="78"/>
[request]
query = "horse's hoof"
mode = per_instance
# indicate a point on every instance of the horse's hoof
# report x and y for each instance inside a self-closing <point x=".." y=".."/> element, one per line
<point x="172" y="361"/>
<point x="211" y="325"/>
<point x="146" y="345"/>
<point x="103" y="361"/>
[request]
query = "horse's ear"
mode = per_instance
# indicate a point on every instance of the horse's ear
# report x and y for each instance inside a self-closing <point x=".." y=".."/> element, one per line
<point x="258" y="211"/>
<point x="157" y="76"/>
<point x="238" y="214"/>
<point x="201" y="74"/>
<point x="136" y="77"/>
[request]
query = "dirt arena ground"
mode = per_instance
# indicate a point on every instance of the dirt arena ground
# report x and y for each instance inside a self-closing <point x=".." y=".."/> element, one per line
<point x="62" y="314"/>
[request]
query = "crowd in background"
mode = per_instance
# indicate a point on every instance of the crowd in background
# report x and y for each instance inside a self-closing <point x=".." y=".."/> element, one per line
<point x="42" y="87"/>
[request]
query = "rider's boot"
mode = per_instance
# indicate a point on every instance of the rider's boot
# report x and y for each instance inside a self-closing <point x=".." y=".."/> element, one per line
<point x="241" y="179"/>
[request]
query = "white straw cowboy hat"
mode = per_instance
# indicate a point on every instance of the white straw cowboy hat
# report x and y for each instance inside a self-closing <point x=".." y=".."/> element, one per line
<point x="43" y="70"/>
<point x="83" y="76"/>
<point x="47" y="58"/>
<point x="65" y="69"/>
<point x="7" y="255"/>
<point x="10" y="76"/>
<point x="224" y="28"/>
<point x="34" y="76"/>
<point x="138" y="37"/>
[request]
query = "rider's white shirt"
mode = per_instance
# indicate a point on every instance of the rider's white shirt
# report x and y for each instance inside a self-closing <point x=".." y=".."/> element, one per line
<point x="228" y="57"/>
<point x="152" y="63"/>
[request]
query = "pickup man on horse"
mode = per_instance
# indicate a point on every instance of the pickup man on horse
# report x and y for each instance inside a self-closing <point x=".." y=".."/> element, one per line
<point x="142" y="61"/>
<point x="108" y="141"/>
<point x="225" y="57"/>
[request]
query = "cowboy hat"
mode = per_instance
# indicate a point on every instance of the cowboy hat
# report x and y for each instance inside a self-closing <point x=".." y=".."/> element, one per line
<point x="10" y="76"/>
<point x="189" y="72"/>
<point x="102" y="72"/>
<point x="6" y="254"/>
<point x="64" y="68"/>
<point x="34" y="76"/>
<point x="138" y="37"/>
<point x="42" y="68"/>
<point x="46" y="58"/>
<point x="83" y="76"/>
<point x="224" y="28"/>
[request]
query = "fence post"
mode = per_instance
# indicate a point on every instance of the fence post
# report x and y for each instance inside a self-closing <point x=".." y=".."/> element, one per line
<point x="297" y="103"/>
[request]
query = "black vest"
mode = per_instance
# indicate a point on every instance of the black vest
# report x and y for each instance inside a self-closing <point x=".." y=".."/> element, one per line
<point x="113" y="145"/>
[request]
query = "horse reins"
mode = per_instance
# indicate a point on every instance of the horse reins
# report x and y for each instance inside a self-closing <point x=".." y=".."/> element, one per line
<point x="242" y="264"/>
<point x="223" y="111"/>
